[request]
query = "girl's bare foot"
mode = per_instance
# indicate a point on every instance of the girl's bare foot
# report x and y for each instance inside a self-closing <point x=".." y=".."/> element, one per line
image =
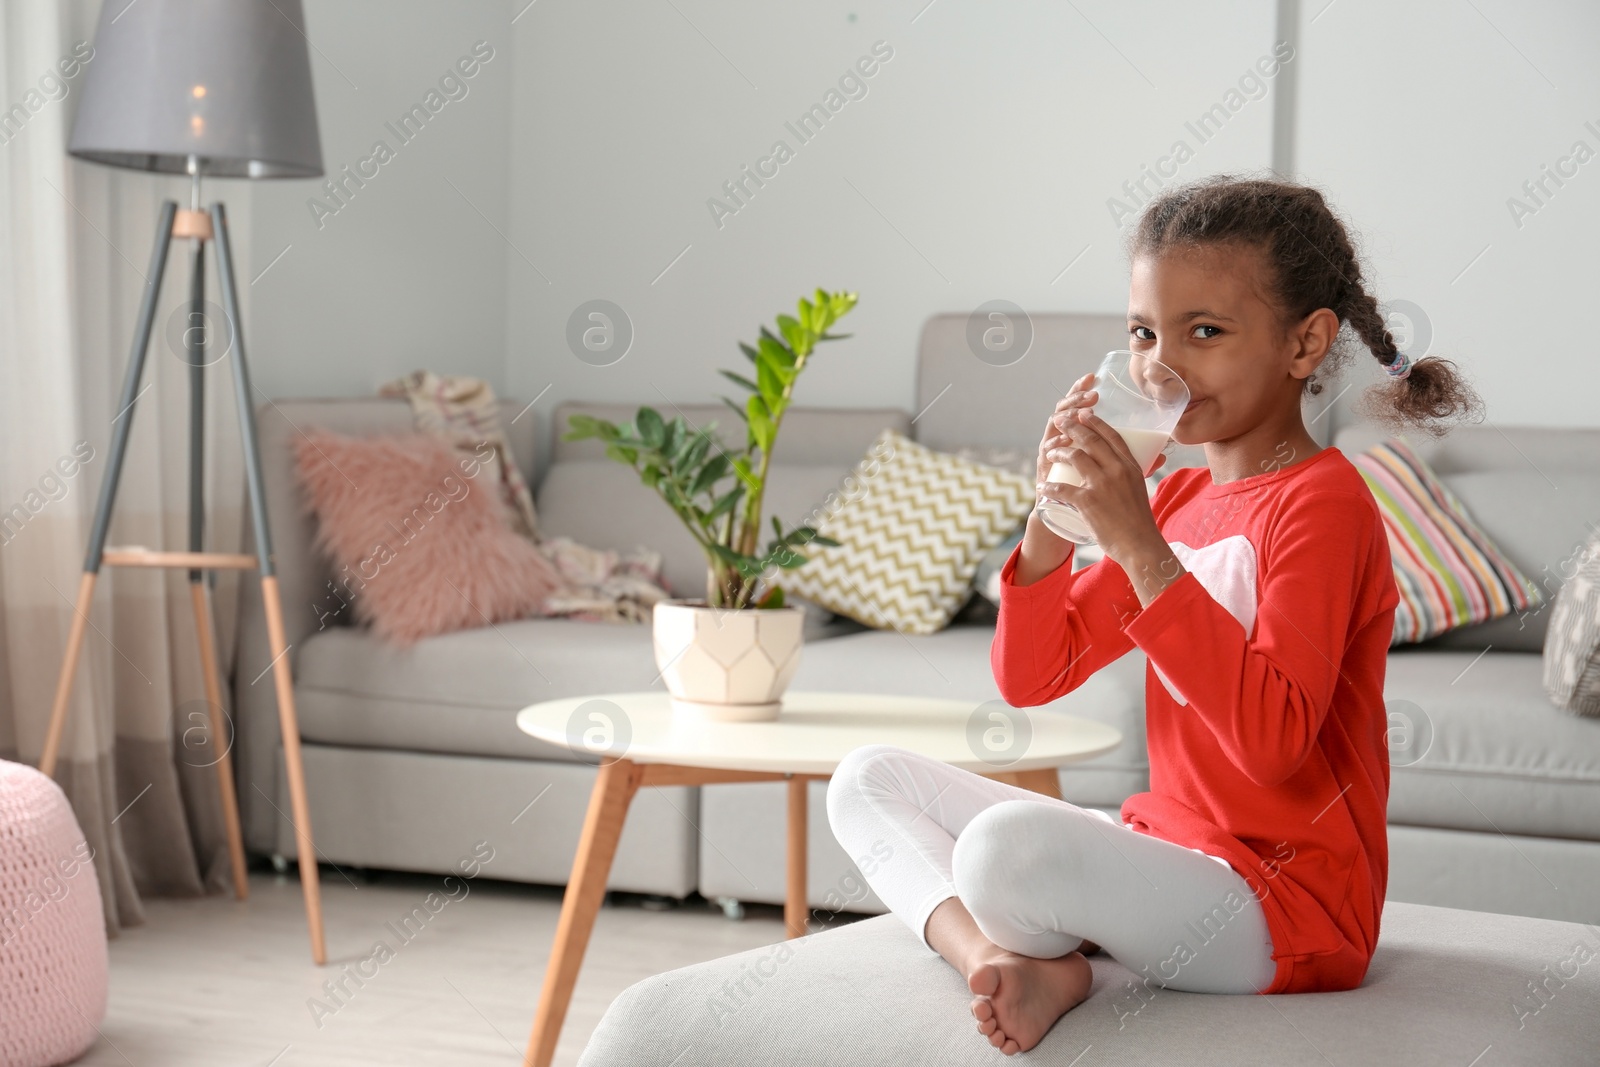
<point x="1019" y="998"/>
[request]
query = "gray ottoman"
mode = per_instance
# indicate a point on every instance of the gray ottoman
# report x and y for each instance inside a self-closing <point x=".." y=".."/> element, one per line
<point x="1448" y="987"/>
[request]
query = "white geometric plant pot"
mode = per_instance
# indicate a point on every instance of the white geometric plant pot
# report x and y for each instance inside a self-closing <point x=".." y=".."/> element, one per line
<point x="724" y="664"/>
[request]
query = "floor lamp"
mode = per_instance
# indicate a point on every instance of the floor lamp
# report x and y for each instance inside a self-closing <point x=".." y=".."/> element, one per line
<point x="200" y="88"/>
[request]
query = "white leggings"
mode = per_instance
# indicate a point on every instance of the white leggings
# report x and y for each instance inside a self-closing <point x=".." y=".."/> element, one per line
<point x="1041" y="875"/>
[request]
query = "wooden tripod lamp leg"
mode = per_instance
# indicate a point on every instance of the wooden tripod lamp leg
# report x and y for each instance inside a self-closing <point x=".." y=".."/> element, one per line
<point x="221" y="737"/>
<point x="69" y="667"/>
<point x="289" y="726"/>
<point x="282" y="676"/>
<point x="122" y="425"/>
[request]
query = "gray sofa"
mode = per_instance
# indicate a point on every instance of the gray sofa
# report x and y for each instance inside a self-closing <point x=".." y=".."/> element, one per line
<point x="411" y="756"/>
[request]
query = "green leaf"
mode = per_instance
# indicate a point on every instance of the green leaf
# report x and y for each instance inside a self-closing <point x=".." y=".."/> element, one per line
<point x="842" y="303"/>
<point x="772" y="382"/>
<point x="778" y="407"/>
<point x="783" y="557"/>
<point x="725" y="502"/>
<point x="808" y="535"/>
<point x="793" y="332"/>
<point x="586" y="426"/>
<point x="715" y="468"/>
<point x="737" y="410"/>
<point x="747" y="350"/>
<point x="673" y="437"/>
<point x="622" y="454"/>
<point x="741" y="467"/>
<point x="773" y="349"/>
<point x="748" y="566"/>
<point x="695" y="454"/>
<point x="777" y="529"/>
<point x="669" y="489"/>
<point x="760" y="422"/>
<point x="773" y="599"/>
<point x="746" y="382"/>
<point x="651" y="428"/>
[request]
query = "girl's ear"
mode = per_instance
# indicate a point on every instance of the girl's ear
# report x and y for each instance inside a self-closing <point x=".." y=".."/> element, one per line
<point x="1313" y="337"/>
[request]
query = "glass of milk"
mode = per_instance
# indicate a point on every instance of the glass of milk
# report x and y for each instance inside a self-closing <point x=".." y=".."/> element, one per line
<point x="1142" y="399"/>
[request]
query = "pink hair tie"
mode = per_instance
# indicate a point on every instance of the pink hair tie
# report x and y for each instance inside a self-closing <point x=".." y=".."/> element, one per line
<point x="1400" y="367"/>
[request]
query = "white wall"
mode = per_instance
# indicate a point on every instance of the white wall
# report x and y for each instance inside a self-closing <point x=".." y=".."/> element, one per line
<point x="407" y="274"/>
<point x="977" y="166"/>
<point x="1420" y="120"/>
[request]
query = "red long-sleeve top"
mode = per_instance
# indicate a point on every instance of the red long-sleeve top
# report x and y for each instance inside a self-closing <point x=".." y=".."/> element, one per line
<point x="1264" y="704"/>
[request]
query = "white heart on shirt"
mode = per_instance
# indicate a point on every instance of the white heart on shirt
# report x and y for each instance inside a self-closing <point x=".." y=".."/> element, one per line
<point x="1227" y="570"/>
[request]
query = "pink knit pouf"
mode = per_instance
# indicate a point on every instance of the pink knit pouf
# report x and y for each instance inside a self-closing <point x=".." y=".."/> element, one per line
<point x="52" y="930"/>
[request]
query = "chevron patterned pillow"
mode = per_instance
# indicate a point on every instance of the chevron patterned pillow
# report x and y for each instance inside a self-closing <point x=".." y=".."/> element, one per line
<point x="912" y="526"/>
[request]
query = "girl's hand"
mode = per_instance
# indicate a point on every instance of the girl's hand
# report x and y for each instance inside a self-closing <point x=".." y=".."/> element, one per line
<point x="1112" y="497"/>
<point x="1062" y="419"/>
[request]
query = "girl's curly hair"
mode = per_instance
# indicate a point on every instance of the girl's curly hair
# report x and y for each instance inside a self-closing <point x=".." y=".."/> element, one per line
<point x="1312" y="264"/>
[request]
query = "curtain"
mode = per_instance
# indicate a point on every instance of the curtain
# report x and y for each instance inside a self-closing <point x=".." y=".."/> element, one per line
<point x="137" y="758"/>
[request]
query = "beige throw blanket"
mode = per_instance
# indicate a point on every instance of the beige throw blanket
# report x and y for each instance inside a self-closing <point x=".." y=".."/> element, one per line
<point x="602" y="585"/>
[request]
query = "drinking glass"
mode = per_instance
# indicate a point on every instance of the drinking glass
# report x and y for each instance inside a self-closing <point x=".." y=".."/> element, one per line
<point x="1142" y="399"/>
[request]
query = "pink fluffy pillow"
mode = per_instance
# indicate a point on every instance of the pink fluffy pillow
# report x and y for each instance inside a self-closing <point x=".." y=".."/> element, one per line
<point x="416" y="536"/>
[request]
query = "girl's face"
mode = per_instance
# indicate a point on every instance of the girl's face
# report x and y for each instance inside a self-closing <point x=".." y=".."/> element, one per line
<point x="1203" y="313"/>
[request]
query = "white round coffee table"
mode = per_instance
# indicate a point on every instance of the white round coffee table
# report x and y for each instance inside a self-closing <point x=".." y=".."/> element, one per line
<point x="636" y="740"/>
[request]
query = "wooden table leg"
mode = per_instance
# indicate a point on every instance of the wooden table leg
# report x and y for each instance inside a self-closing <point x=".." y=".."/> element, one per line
<point x="794" y="902"/>
<point x="1046" y="780"/>
<point x="613" y="792"/>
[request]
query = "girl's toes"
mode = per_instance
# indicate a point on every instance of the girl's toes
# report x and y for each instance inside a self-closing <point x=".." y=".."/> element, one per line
<point x="1010" y="1048"/>
<point x="982" y="1009"/>
<point x="987" y="1027"/>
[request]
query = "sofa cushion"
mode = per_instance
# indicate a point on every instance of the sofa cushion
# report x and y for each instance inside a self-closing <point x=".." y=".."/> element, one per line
<point x="1540" y="529"/>
<point x="1449" y="572"/>
<point x="418" y="533"/>
<point x="954" y="662"/>
<point x="1572" y="647"/>
<point x="460" y="692"/>
<point x="912" y="528"/>
<point x="1444" y="987"/>
<point x="1533" y="490"/>
<point x="1488" y="751"/>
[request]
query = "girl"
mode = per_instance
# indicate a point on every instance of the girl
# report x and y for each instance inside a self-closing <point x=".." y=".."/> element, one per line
<point x="1259" y="588"/>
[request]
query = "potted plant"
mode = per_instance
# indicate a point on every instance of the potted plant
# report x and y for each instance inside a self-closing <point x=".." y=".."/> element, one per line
<point x="729" y="655"/>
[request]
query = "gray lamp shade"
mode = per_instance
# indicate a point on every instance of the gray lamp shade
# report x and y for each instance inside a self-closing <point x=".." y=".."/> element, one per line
<point x="227" y="81"/>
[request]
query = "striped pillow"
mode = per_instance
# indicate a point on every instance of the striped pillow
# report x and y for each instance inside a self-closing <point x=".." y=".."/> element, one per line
<point x="1448" y="571"/>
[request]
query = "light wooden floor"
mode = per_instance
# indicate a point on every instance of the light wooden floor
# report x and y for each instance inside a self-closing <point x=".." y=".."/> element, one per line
<point x="213" y="981"/>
